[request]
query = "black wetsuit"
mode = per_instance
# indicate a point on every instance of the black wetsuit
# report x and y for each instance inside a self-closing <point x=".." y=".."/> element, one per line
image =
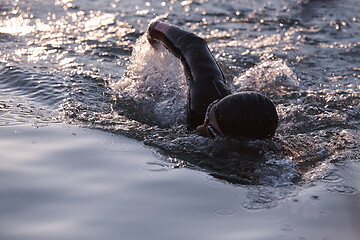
<point x="206" y="80"/>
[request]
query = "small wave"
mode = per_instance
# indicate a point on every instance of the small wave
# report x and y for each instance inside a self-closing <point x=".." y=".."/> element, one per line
<point x="43" y="89"/>
<point x="269" y="77"/>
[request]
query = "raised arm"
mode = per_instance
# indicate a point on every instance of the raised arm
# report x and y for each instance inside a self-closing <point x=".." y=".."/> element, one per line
<point x="246" y="114"/>
<point x="206" y="80"/>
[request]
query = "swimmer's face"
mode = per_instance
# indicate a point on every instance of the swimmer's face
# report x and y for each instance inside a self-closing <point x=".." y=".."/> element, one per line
<point x="210" y="129"/>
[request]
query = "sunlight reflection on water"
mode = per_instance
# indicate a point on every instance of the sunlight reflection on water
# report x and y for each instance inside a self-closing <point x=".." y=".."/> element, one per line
<point x="65" y="61"/>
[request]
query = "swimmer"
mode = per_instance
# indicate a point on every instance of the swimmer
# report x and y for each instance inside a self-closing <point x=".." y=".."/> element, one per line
<point x="214" y="111"/>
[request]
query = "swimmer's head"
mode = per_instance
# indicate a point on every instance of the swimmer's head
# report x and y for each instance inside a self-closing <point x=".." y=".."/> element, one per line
<point x="243" y="115"/>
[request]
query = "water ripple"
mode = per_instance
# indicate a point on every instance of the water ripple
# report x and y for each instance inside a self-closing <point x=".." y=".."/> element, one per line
<point x="342" y="189"/>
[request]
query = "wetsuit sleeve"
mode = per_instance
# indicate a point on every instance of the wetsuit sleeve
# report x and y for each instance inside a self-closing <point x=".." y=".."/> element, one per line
<point x="206" y="80"/>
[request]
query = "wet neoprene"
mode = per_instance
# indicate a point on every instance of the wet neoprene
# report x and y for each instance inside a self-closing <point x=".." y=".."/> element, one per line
<point x="206" y="80"/>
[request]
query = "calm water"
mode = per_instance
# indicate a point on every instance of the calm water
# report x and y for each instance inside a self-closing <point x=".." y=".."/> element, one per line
<point x="92" y="136"/>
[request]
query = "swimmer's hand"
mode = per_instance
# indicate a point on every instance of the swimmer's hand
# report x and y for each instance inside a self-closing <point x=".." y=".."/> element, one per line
<point x="151" y="34"/>
<point x="150" y="30"/>
<point x="156" y="32"/>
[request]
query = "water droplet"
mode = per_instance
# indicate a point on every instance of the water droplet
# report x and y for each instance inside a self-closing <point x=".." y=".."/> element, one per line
<point x="119" y="146"/>
<point x="225" y="212"/>
<point x="154" y="167"/>
<point x="342" y="189"/>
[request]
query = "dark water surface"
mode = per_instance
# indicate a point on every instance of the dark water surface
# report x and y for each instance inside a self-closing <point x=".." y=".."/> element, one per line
<point x="87" y="63"/>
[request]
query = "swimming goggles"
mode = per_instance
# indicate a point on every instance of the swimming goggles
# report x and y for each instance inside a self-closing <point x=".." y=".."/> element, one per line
<point x="212" y="133"/>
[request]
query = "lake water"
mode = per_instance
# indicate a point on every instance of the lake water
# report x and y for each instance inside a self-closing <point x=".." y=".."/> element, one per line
<point x="93" y="143"/>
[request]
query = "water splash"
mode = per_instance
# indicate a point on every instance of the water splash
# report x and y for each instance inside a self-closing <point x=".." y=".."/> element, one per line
<point x="295" y="60"/>
<point x="154" y="93"/>
<point x="154" y="86"/>
<point x="271" y="77"/>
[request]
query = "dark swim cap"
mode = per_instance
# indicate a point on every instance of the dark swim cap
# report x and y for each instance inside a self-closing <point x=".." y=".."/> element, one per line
<point x="247" y="114"/>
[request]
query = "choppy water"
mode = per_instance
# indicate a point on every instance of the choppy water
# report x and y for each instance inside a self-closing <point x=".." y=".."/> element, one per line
<point x="87" y="62"/>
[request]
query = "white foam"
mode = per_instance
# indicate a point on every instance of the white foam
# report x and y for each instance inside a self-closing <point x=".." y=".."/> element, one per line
<point x="154" y="79"/>
<point x="267" y="77"/>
